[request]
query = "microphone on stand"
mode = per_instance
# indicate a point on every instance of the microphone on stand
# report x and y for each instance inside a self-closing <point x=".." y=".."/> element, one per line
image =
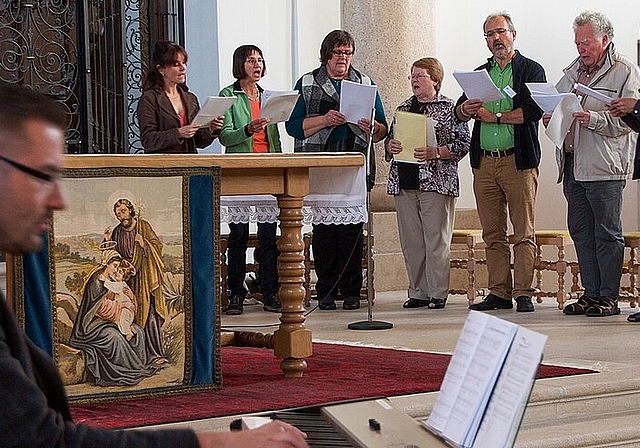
<point x="370" y="324"/>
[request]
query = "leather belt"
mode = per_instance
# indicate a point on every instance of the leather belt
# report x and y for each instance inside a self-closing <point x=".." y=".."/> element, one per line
<point x="498" y="153"/>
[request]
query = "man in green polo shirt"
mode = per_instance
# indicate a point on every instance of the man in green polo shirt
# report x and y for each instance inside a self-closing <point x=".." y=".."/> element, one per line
<point x="504" y="155"/>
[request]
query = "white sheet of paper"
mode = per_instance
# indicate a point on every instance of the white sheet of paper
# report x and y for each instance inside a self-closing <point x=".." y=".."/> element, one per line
<point x="477" y="84"/>
<point x="458" y="366"/>
<point x="548" y="102"/>
<point x="546" y="88"/>
<point x="511" y="394"/>
<point x="593" y="93"/>
<point x="477" y="385"/>
<point x="562" y="118"/>
<point x="277" y="105"/>
<point x="357" y="100"/>
<point x="214" y="107"/>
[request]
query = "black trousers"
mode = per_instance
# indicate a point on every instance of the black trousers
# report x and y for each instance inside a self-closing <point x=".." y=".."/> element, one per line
<point x="266" y="255"/>
<point x="337" y="255"/>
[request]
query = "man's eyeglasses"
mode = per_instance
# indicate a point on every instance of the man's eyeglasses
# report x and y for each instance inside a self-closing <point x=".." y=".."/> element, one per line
<point x="255" y="60"/>
<point x="498" y="31"/>
<point x="30" y="171"/>
<point x="345" y="53"/>
<point x="414" y="77"/>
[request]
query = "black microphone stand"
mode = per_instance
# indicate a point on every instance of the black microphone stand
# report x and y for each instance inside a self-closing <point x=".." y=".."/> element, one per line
<point x="369" y="324"/>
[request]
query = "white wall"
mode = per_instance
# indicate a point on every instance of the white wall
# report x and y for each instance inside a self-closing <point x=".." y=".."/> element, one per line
<point x="288" y="32"/>
<point x="544" y="33"/>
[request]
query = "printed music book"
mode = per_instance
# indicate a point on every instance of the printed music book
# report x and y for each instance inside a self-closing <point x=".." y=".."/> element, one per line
<point x="487" y="384"/>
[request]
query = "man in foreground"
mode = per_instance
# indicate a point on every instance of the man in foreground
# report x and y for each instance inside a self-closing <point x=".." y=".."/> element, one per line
<point x="35" y="412"/>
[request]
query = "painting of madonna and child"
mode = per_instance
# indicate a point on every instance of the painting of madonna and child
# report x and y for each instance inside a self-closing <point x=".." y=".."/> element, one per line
<point x="123" y="295"/>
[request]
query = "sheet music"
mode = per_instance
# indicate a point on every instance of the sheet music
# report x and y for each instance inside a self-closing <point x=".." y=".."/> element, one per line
<point x="477" y="84"/>
<point x="487" y="384"/>
<point x="593" y="93"/>
<point x="214" y="107"/>
<point x="545" y="95"/>
<point x="507" y="405"/>
<point x="413" y="131"/>
<point x="357" y="100"/>
<point x="562" y="118"/>
<point x="452" y="383"/>
<point x="545" y="88"/>
<point x="484" y="369"/>
<point x="278" y="105"/>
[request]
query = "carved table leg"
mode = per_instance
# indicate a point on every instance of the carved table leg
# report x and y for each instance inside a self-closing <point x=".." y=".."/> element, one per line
<point x="292" y="341"/>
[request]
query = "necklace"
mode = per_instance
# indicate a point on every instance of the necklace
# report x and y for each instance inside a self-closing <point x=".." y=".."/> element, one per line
<point x="256" y="97"/>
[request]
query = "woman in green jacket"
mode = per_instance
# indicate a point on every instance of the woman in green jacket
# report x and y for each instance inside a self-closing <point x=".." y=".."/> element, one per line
<point x="244" y="131"/>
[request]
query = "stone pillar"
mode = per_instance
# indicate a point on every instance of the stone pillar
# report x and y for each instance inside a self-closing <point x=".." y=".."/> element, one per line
<point x="390" y="35"/>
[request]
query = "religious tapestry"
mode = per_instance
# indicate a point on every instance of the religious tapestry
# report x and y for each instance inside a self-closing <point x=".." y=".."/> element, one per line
<point x="124" y="294"/>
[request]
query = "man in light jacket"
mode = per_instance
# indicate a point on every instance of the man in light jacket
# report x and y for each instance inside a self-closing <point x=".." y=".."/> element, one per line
<point x="594" y="163"/>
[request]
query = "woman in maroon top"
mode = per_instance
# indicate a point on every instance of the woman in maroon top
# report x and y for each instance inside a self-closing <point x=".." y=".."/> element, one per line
<point x="167" y="108"/>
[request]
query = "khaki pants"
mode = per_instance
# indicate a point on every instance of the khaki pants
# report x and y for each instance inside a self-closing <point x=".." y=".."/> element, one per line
<point x="498" y="187"/>
<point x="425" y="224"/>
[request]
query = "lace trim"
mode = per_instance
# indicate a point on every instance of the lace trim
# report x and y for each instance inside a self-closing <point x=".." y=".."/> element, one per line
<point x="351" y="214"/>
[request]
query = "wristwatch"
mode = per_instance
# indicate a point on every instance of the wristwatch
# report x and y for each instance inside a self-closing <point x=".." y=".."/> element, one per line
<point x="498" y="117"/>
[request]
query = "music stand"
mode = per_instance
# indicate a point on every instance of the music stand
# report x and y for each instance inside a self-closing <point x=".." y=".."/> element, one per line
<point x="369" y="324"/>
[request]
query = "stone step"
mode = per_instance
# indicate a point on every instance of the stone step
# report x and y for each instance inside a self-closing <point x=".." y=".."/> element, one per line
<point x="612" y="430"/>
<point x="593" y="410"/>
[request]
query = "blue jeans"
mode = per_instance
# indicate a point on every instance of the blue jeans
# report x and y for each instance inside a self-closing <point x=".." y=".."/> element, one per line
<point x="593" y="218"/>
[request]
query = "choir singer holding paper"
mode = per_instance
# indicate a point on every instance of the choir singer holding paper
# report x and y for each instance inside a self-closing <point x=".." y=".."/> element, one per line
<point x="244" y="131"/>
<point x="425" y="184"/>
<point x="318" y="126"/>
<point x="166" y="109"/>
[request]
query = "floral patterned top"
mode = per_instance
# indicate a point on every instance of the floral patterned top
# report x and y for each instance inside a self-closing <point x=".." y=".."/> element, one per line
<point x="437" y="175"/>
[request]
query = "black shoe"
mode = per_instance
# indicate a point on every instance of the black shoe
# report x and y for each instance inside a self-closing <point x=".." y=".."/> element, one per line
<point x="492" y="302"/>
<point x="351" y="303"/>
<point x="416" y="303"/>
<point x="524" y="304"/>
<point x="437" y="304"/>
<point x="235" y="305"/>
<point x="327" y="303"/>
<point x="272" y="303"/>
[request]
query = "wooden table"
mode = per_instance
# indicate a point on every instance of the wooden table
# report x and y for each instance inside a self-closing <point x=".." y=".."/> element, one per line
<point x="286" y="176"/>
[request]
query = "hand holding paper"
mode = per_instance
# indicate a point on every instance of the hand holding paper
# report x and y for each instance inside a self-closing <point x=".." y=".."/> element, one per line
<point x="213" y="108"/>
<point x="357" y="100"/>
<point x="277" y="105"/>
<point x="477" y="84"/>
<point x="413" y="131"/>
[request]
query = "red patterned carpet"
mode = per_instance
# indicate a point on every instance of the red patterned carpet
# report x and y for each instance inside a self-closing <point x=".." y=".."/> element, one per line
<point x="253" y="381"/>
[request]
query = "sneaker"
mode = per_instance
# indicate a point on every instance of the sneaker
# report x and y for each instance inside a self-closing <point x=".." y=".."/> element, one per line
<point x="235" y="305"/>
<point x="524" y="304"/>
<point x="327" y="303"/>
<point x="351" y="303"/>
<point x="272" y="303"/>
<point x="492" y="302"/>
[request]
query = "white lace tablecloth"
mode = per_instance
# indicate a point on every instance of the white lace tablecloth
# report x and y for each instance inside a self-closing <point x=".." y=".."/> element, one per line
<point x="337" y="195"/>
